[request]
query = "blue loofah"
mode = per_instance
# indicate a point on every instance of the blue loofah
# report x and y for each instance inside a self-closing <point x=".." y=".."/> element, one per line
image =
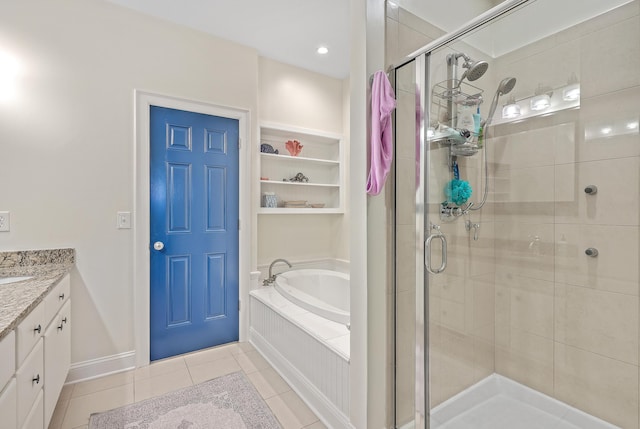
<point x="458" y="191"/>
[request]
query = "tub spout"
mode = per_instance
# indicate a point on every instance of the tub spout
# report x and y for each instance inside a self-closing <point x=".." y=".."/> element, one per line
<point x="272" y="277"/>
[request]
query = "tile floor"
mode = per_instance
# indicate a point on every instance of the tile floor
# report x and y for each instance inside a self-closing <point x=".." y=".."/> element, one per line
<point x="78" y="401"/>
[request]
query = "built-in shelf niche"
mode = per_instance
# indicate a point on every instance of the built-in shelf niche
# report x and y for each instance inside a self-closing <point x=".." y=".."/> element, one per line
<point x="321" y="161"/>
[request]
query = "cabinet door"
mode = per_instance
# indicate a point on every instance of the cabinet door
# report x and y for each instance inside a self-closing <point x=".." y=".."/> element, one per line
<point x="34" y="418"/>
<point x="28" y="332"/>
<point x="7" y="358"/>
<point x="56" y="298"/>
<point x="57" y="358"/>
<point x="30" y="379"/>
<point x="8" y="400"/>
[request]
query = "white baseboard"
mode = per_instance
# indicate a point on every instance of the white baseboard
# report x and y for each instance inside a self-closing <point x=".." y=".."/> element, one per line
<point x="94" y="368"/>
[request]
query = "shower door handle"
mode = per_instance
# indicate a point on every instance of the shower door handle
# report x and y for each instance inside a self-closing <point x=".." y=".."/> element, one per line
<point x="427" y="250"/>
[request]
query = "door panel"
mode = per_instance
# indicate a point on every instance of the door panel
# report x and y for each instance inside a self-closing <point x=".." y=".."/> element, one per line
<point x="194" y="214"/>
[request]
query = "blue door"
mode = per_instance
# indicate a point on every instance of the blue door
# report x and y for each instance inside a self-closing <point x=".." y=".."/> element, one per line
<point x="194" y="231"/>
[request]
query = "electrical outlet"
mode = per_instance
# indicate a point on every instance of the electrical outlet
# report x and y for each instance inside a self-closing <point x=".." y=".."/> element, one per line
<point x="5" y="221"/>
<point x="124" y="220"/>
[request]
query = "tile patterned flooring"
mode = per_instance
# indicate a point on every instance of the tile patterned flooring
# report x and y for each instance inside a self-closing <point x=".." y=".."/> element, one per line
<point x="78" y="401"/>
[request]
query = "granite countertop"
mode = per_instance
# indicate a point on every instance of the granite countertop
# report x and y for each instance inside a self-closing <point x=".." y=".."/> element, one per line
<point x="47" y="267"/>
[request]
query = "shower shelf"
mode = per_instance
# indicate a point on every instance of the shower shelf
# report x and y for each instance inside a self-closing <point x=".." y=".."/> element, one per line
<point x="459" y="93"/>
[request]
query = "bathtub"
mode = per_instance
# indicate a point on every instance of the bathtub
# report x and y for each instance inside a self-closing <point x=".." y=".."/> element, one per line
<point x="300" y="325"/>
<point x="323" y="292"/>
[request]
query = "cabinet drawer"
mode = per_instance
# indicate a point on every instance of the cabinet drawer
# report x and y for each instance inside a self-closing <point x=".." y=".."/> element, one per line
<point x="7" y="358"/>
<point x="8" y="400"/>
<point x="57" y="358"/>
<point x="30" y="379"/>
<point x="56" y="298"/>
<point x="34" y="418"/>
<point x="28" y="332"/>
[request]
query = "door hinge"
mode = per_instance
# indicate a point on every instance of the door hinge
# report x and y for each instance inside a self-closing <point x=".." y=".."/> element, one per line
<point x="239" y="143"/>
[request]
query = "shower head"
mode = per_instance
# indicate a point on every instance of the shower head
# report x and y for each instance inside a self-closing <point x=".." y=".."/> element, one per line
<point x="474" y="69"/>
<point x="505" y="86"/>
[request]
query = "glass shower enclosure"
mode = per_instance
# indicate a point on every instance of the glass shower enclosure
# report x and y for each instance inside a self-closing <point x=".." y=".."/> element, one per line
<point x="517" y="183"/>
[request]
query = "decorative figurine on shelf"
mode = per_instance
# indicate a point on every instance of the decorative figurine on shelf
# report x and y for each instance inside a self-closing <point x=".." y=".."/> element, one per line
<point x="294" y="147"/>
<point x="267" y="148"/>
<point x="301" y="178"/>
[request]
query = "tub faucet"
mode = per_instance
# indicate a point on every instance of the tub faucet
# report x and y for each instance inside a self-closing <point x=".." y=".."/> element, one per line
<point x="272" y="277"/>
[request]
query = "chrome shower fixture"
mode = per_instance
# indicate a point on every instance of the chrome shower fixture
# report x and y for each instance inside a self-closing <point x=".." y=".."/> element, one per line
<point x="506" y="86"/>
<point x="475" y="69"/>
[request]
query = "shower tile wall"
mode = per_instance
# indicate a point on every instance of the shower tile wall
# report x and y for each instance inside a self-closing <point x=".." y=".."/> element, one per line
<point x="568" y="324"/>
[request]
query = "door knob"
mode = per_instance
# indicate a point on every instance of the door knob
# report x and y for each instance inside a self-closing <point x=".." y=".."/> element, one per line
<point x="158" y="245"/>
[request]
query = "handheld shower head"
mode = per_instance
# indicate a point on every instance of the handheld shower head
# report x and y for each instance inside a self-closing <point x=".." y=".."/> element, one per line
<point x="505" y="86"/>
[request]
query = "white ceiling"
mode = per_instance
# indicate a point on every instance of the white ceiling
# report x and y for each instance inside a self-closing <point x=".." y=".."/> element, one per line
<point x="288" y="31"/>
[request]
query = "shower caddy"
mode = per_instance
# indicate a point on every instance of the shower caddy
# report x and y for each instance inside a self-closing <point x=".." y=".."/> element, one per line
<point x="446" y="97"/>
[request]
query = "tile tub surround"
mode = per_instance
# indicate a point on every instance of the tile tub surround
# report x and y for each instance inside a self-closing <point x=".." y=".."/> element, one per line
<point x="47" y="267"/>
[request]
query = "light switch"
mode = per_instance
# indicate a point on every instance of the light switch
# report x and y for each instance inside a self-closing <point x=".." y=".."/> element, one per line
<point x="5" y="221"/>
<point x="124" y="220"/>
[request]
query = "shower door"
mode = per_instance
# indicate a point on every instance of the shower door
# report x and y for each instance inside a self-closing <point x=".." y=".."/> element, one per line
<point x="444" y="316"/>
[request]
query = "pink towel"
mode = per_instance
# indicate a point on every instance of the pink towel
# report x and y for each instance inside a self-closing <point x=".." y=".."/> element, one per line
<point x="382" y="104"/>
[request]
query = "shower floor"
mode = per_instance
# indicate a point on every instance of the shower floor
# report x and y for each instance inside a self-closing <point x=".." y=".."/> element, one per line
<point x="500" y="403"/>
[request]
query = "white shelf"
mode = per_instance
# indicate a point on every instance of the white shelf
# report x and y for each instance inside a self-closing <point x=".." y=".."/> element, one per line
<point x="276" y="182"/>
<point x="322" y="161"/>
<point x="300" y="159"/>
<point x="282" y="210"/>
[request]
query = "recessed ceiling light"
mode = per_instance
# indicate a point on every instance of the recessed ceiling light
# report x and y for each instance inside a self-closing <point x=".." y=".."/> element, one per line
<point x="322" y="50"/>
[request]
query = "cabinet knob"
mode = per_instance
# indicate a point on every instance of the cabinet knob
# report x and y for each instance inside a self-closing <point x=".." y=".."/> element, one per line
<point x="36" y="379"/>
<point x="591" y="190"/>
<point x="591" y="252"/>
<point x="61" y="296"/>
<point x="37" y="329"/>
<point x="62" y="322"/>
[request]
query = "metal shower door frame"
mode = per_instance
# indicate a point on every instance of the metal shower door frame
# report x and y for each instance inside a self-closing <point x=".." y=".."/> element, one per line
<point x="422" y="409"/>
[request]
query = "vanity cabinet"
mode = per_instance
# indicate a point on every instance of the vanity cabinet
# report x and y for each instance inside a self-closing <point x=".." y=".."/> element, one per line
<point x="321" y="161"/>
<point x="57" y="357"/>
<point x="34" y="362"/>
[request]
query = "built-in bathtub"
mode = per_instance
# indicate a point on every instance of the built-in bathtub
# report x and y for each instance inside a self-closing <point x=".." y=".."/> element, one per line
<point x="310" y="351"/>
<point x="323" y="292"/>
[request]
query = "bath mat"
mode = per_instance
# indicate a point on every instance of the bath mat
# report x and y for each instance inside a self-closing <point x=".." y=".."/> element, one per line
<point x="227" y="402"/>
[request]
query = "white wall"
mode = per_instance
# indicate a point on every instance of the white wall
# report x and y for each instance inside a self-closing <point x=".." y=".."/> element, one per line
<point x="292" y="96"/>
<point x="66" y="141"/>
